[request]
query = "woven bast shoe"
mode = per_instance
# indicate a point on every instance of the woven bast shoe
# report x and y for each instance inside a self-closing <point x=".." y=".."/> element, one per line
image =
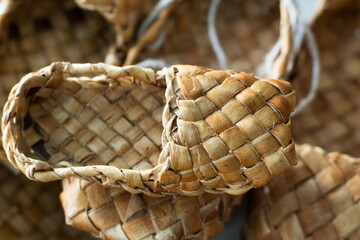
<point x="224" y="131"/>
<point x="317" y="199"/>
<point x="113" y="213"/>
<point x="32" y="45"/>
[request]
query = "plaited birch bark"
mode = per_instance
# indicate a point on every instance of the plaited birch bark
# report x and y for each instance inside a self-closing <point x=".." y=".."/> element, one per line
<point x="224" y="131"/>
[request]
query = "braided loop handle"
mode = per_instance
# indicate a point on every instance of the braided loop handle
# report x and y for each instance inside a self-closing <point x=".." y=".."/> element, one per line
<point x="224" y="131"/>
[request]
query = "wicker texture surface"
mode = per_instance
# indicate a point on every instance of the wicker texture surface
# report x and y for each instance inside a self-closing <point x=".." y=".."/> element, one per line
<point x="317" y="199"/>
<point x="246" y="41"/>
<point x="332" y="119"/>
<point x="57" y="30"/>
<point x="113" y="213"/>
<point x="224" y="131"/>
<point x="219" y="121"/>
<point x="253" y="38"/>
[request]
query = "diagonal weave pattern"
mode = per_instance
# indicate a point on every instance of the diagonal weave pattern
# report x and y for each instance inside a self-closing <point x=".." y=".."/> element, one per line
<point x="224" y="131"/>
<point x="317" y="199"/>
<point x="97" y="125"/>
<point x="83" y="38"/>
<point x="220" y="121"/>
<point x="113" y="213"/>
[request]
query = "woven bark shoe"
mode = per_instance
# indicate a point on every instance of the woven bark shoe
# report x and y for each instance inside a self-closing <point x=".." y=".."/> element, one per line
<point x="224" y="131"/>
<point x="113" y="213"/>
<point x="317" y="199"/>
<point x="82" y="37"/>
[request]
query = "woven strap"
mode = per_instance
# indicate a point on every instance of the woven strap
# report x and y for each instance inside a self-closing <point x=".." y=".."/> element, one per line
<point x="280" y="63"/>
<point x="6" y="8"/>
<point x="224" y="131"/>
<point x="126" y="17"/>
<point x="50" y="77"/>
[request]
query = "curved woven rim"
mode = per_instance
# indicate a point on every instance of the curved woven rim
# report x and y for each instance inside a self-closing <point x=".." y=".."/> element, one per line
<point x="258" y="147"/>
<point x="14" y="112"/>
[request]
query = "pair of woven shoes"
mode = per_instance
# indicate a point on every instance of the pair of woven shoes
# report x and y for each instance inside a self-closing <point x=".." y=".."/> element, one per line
<point x="221" y="131"/>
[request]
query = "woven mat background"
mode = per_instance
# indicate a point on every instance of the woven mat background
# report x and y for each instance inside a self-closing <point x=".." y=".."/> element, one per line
<point x="332" y="119"/>
<point x="41" y="32"/>
<point x="246" y="29"/>
<point x="31" y="210"/>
